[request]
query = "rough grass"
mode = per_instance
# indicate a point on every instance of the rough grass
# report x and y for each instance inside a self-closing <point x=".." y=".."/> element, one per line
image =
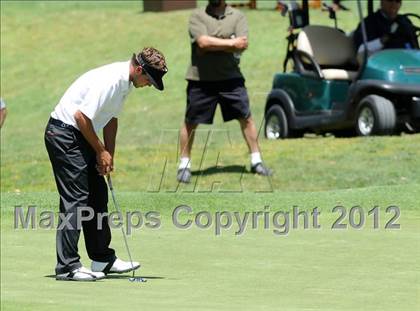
<point x="46" y="45"/>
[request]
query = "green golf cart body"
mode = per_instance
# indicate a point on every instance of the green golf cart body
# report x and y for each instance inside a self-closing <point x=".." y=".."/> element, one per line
<point x="331" y="89"/>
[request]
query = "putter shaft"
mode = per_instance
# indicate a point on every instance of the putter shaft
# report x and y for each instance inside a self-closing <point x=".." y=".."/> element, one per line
<point x="117" y="208"/>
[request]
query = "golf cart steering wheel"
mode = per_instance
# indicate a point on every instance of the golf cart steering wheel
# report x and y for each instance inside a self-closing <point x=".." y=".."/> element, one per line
<point x="416" y="28"/>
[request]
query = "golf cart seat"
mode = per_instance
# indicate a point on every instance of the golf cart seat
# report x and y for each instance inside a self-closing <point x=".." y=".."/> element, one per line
<point x="328" y="51"/>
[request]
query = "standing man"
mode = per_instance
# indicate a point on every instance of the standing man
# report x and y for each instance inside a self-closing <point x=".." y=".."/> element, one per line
<point x="386" y="29"/>
<point x="80" y="160"/>
<point x="218" y="37"/>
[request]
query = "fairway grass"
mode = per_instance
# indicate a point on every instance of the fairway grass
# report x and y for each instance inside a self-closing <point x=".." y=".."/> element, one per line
<point x="45" y="46"/>
<point x="312" y="269"/>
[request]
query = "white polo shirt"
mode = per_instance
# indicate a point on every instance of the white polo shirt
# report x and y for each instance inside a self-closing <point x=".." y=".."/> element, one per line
<point x="99" y="94"/>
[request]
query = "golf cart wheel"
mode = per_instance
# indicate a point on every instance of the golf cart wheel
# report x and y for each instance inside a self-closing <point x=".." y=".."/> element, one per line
<point x="276" y="126"/>
<point x="376" y="116"/>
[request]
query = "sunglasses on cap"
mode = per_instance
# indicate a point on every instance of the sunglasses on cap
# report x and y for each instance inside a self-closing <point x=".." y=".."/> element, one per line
<point x="155" y="75"/>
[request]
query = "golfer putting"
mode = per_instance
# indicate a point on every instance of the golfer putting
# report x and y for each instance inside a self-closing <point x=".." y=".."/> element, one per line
<point x="80" y="160"/>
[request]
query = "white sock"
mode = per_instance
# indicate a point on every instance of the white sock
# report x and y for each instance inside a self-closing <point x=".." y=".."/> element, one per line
<point x="184" y="163"/>
<point x="255" y="158"/>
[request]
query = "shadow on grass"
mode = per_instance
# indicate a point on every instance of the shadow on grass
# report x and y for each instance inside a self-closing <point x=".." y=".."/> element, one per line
<point x="116" y="276"/>
<point x="120" y="276"/>
<point x="221" y="169"/>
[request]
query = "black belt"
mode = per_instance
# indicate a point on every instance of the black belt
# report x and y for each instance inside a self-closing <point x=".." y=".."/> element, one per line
<point x="61" y="124"/>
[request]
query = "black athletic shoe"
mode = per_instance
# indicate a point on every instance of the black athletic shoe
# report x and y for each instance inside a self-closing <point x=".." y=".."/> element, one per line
<point x="260" y="169"/>
<point x="184" y="175"/>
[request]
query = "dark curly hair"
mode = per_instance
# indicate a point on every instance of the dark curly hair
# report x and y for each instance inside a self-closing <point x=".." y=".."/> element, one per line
<point x="152" y="57"/>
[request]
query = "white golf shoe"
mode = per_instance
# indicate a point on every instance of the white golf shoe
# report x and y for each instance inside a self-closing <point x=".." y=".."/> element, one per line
<point x="118" y="266"/>
<point x="80" y="274"/>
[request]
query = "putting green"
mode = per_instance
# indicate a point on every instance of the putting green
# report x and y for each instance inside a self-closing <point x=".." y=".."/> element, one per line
<point x="312" y="269"/>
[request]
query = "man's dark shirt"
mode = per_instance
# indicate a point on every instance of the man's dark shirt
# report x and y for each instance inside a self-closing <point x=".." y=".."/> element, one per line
<point x="377" y="25"/>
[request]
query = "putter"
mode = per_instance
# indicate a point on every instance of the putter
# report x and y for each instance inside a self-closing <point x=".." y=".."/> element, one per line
<point x="117" y="208"/>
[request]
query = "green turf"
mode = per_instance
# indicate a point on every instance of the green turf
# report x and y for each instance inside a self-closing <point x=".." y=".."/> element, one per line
<point x="313" y="269"/>
<point x="46" y="45"/>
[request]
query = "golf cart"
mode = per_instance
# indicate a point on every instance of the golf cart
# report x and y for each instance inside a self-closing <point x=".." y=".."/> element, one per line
<point x="330" y="89"/>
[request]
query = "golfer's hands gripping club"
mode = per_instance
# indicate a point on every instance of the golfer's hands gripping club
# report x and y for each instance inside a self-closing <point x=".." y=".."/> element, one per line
<point x="104" y="159"/>
<point x="105" y="162"/>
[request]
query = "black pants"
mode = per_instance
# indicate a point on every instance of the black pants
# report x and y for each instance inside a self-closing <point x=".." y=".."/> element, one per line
<point x="79" y="185"/>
